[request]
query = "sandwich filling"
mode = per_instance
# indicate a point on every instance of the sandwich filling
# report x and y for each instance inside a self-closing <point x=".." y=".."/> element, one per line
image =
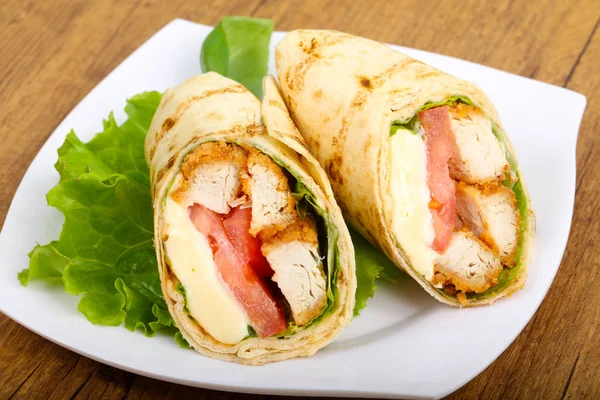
<point x="242" y="250"/>
<point x="453" y="208"/>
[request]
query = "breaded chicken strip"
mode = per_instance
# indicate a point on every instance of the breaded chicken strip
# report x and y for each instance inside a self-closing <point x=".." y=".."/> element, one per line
<point x="492" y="215"/>
<point x="294" y="256"/>
<point x="211" y="176"/>
<point x="273" y="207"/>
<point x="478" y="155"/>
<point x="467" y="264"/>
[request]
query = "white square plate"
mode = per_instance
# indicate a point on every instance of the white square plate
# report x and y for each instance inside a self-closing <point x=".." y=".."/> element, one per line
<point x="404" y="344"/>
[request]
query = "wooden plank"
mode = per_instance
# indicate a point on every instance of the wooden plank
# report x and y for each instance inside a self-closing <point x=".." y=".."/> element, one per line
<point x="584" y="380"/>
<point x="541" y="38"/>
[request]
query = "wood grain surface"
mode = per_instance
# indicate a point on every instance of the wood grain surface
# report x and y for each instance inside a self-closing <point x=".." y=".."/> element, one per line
<point x="52" y="53"/>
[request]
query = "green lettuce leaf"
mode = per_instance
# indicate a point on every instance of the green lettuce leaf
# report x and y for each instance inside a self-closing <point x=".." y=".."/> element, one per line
<point x="305" y="201"/>
<point x="238" y="48"/>
<point x="180" y="340"/>
<point x="371" y="264"/>
<point x="105" y="251"/>
<point x="411" y="124"/>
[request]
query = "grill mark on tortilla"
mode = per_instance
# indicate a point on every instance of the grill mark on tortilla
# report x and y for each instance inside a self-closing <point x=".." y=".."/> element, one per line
<point x="277" y="104"/>
<point x="174" y="118"/>
<point x="339" y="141"/>
<point x="171" y="162"/>
<point x="365" y="82"/>
<point x="421" y="74"/>
<point x="169" y="94"/>
<point x="165" y="169"/>
<point x="293" y="132"/>
<point x="165" y="127"/>
<point x="341" y="277"/>
<point x="368" y="143"/>
<point x="330" y="39"/>
<point x="310" y="48"/>
<point x="405" y="91"/>
<point x="246" y="130"/>
<point x="161" y="174"/>
<point x="316" y="145"/>
<point x="334" y="168"/>
<point x="379" y="79"/>
<point x="294" y="76"/>
<point x="216" y="116"/>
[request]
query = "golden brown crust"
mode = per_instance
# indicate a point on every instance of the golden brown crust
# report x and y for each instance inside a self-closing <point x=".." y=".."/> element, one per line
<point x="461" y="110"/>
<point x="462" y="299"/>
<point x="489" y="189"/>
<point x="447" y="278"/>
<point x="212" y="152"/>
<point x="208" y="153"/>
<point x="257" y="158"/>
<point x="303" y="230"/>
<point x="457" y="284"/>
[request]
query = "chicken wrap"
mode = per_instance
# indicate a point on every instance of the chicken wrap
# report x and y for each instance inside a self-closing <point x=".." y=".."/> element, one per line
<point x="256" y="263"/>
<point x="418" y="159"/>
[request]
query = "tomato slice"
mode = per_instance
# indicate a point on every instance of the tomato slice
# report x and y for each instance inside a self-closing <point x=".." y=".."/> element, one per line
<point x="237" y="226"/>
<point x="266" y="317"/>
<point x="439" y="142"/>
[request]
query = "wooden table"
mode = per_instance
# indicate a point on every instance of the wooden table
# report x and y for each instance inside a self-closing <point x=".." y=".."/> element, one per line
<point x="54" y="52"/>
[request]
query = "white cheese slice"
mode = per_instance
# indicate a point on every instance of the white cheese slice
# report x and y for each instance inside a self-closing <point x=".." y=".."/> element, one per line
<point x="208" y="299"/>
<point x="409" y="200"/>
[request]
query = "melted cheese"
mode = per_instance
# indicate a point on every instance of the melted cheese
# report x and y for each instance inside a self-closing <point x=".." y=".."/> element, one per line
<point x="409" y="201"/>
<point x="208" y="299"/>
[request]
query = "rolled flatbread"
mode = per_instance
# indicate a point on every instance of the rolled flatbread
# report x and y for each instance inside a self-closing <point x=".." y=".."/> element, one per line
<point x="418" y="159"/>
<point x="256" y="262"/>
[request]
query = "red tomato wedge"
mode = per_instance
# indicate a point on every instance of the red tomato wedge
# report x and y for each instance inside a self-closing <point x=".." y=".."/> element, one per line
<point x="266" y="317"/>
<point x="439" y="142"/>
<point x="237" y="226"/>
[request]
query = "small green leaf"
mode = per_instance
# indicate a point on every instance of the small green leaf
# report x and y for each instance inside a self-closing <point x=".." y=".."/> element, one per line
<point x="238" y="48"/>
<point x="180" y="340"/>
<point x="45" y="263"/>
<point x="251" y="332"/>
<point x="24" y="277"/>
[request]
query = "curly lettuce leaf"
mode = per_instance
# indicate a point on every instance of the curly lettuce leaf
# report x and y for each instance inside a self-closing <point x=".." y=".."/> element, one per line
<point x="238" y="48"/>
<point x="371" y="264"/>
<point x="105" y="251"/>
<point x="411" y="125"/>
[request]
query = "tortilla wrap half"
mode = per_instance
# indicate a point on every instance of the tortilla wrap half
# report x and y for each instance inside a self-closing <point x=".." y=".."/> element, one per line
<point x="256" y="262"/>
<point x="418" y="159"/>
